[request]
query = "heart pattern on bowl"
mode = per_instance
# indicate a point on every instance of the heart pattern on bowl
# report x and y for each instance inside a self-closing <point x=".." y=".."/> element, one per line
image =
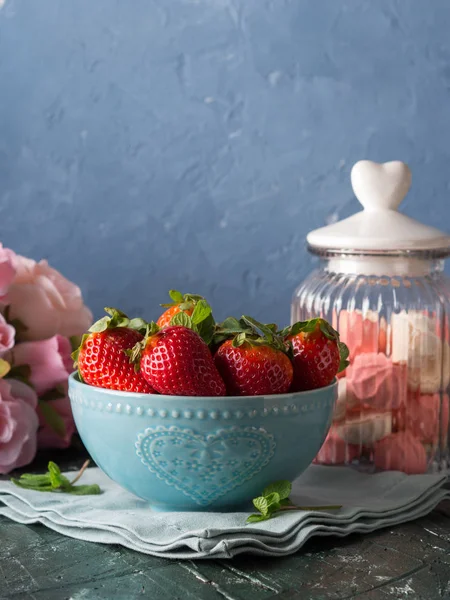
<point x="205" y="467"/>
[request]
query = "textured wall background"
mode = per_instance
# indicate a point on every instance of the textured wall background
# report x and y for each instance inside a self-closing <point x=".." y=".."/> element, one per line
<point x="193" y="143"/>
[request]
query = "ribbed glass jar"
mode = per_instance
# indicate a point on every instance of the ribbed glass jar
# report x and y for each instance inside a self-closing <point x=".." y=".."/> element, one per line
<point x="392" y="311"/>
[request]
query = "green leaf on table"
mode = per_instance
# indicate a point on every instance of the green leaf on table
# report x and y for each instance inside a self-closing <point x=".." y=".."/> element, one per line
<point x="261" y="504"/>
<point x="84" y="490"/>
<point x="55" y="481"/>
<point x="257" y="518"/>
<point x="282" y="488"/>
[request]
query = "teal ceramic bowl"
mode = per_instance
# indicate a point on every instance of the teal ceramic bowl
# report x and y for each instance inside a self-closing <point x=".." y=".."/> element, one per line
<point x="200" y="454"/>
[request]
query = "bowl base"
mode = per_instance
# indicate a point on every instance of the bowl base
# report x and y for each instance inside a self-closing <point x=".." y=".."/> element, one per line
<point x="245" y="508"/>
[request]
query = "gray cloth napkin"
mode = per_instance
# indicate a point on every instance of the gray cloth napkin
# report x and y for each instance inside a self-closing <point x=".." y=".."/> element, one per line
<point x="369" y="502"/>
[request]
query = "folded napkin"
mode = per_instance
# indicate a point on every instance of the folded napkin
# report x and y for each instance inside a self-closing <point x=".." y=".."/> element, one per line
<point x="369" y="502"/>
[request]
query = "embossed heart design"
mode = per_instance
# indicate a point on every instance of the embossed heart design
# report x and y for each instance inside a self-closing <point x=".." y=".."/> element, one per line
<point x="205" y="467"/>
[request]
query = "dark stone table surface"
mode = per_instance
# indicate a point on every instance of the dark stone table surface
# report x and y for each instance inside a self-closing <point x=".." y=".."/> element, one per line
<point x="409" y="561"/>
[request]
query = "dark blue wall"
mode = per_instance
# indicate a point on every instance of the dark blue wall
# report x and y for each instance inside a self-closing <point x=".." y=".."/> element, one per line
<point x="150" y="144"/>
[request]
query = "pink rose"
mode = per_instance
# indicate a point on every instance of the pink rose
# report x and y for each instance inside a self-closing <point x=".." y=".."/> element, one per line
<point x="7" y="269"/>
<point x="47" y="436"/>
<point x="18" y="425"/>
<point x="7" y="335"/>
<point x="49" y="361"/>
<point x="45" y="301"/>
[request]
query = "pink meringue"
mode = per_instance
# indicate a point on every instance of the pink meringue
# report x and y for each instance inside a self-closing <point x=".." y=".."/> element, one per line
<point x="400" y="452"/>
<point x="364" y="425"/>
<point x="375" y="380"/>
<point x="424" y="413"/>
<point x="335" y="451"/>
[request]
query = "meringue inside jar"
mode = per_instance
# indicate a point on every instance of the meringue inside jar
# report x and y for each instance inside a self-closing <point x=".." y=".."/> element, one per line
<point x="391" y="309"/>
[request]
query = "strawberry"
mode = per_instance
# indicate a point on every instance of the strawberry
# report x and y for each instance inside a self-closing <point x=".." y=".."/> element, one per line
<point x="190" y="311"/>
<point x="176" y="361"/>
<point x="102" y="359"/>
<point x="317" y="354"/>
<point x="254" y="362"/>
<point x="250" y="370"/>
<point x="181" y="303"/>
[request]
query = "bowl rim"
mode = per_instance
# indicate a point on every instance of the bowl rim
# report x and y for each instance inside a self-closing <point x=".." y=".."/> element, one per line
<point x="74" y="380"/>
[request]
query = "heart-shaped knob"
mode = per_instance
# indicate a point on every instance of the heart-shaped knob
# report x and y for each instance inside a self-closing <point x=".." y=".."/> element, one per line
<point x="380" y="186"/>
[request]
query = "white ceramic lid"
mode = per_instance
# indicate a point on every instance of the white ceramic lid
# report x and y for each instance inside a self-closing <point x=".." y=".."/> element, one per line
<point x="379" y="227"/>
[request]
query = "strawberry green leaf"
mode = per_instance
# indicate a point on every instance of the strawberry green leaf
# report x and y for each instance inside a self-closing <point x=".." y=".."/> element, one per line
<point x="201" y="312"/>
<point x="75" y="354"/>
<point x="327" y="330"/>
<point x="205" y="329"/>
<point x="344" y="354"/>
<point x="52" y="418"/>
<point x="282" y="488"/>
<point x="176" y="296"/>
<point x="231" y="323"/>
<point x="193" y="297"/>
<point x="259" y="327"/>
<point x="138" y="324"/>
<point x="239" y="340"/>
<point x="182" y="319"/>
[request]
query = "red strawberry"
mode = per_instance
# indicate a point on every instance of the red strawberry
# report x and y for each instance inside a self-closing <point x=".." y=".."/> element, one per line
<point x="317" y="354"/>
<point x="176" y="361"/>
<point x="252" y="370"/>
<point x="102" y="360"/>
<point x="181" y="303"/>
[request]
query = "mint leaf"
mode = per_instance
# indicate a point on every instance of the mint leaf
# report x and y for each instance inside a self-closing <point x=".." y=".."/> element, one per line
<point x="182" y="319"/>
<point x="55" y="481"/>
<point x="282" y="488"/>
<point x="257" y="518"/>
<point x="201" y="312"/>
<point x="27" y="485"/>
<point x="176" y="296"/>
<point x="275" y="500"/>
<point x="260" y="504"/>
<point x="84" y="490"/>
<point x="55" y="475"/>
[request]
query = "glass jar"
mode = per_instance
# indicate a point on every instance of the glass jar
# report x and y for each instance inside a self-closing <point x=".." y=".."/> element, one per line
<point x="381" y="284"/>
